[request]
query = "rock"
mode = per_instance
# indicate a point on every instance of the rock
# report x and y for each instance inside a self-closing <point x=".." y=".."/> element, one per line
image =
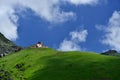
<point x="1" y="55"/>
<point x="7" y="46"/>
<point x="110" y="52"/>
<point x="4" y="54"/>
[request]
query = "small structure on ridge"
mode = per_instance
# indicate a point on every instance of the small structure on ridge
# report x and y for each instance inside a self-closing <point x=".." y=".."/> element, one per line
<point x="39" y="45"/>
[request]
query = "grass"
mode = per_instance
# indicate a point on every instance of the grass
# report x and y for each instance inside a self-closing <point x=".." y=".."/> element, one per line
<point x="48" y="64"/>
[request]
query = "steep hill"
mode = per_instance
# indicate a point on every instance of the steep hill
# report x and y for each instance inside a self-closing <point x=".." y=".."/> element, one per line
<point x="6" y="46"/>
<point x="49" y="64"/>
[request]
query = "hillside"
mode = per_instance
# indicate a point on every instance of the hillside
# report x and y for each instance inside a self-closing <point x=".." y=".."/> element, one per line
<point x="6" y="46"/>
<point x="48" y="64"/>
<point x="5" y="42"/>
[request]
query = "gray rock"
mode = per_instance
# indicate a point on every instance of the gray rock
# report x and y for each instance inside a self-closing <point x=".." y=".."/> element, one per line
<point x="111" y="53"/>
<point x="4" y="54"/>
<point x="1" y="55"/>
<point x="7" y="46"/>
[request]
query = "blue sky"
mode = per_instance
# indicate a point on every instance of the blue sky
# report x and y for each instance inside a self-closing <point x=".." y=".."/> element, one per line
<point x="67" y="25"/>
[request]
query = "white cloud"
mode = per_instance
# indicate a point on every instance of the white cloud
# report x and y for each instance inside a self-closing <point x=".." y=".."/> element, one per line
<point x="48" y="10"/>
<point x="73" y="44"/>
<point x="79" y="35"/>
<point x="83" y="2"/>
<point x="8" y="21"/>
<point x="68" y="45"/>
<point x="100" y="27"/>
<point x="112" y="36"/>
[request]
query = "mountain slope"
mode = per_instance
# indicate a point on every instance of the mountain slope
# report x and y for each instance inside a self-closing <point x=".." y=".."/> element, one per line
<point x="6" y="46"/>
<point x="5" y="41"/>
<point x="48" y="64"/>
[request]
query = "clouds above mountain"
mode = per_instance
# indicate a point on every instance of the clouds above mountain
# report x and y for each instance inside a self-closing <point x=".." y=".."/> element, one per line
<point x="72" y="44"/>
<point x="49" y="10"/>
<point x="112" y="31"/>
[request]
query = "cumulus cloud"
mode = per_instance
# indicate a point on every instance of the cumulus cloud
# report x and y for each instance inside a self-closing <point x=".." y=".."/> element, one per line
<point x="8" y="20"/>
<point x="49" y="10"/>
<point x="112" y="36"/>
<point x="73" y="44"/>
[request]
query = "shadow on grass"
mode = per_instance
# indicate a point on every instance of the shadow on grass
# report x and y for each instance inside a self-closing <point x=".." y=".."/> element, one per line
<point x="62" y="68"/>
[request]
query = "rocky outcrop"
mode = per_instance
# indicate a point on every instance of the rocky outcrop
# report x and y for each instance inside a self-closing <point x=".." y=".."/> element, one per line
<point x="111" y="53"/>
<point x="7" y="46"/>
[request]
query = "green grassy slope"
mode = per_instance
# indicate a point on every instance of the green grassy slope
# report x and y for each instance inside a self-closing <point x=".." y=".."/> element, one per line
<point x="48" y="64"/>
